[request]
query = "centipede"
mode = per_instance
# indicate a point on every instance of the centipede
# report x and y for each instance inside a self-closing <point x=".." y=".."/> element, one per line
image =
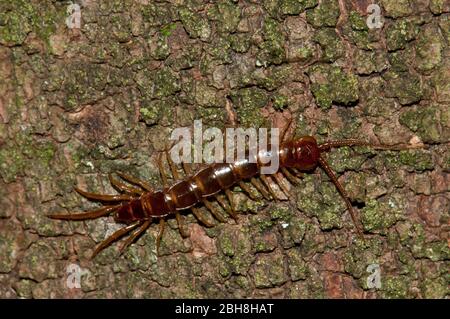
<point x="137" y="204"/>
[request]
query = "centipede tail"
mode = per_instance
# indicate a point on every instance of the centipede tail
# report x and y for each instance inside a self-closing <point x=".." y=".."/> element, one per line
<point x="103" y="211"/>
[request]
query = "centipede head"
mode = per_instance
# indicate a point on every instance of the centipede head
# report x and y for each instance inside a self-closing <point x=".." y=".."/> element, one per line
<point x="302" y="153"/>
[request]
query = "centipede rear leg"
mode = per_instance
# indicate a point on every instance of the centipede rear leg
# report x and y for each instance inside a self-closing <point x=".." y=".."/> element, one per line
<point x="103" y="211"/>
<point x="115" y="236"/>
<point x="136" y="181"/>
<point x="100" y="212"/>
<point x="133" y="237"/>
<point x="143" y="225"/>
<point x="107" y="210"/>
<point x="122" y="187"/>
<point x="102" y="197"/>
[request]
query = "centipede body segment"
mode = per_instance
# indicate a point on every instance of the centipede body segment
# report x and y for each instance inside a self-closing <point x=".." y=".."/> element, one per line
<point x="138" y="205"/>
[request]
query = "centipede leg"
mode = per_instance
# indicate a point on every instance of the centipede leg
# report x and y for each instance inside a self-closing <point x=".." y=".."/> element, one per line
<point x="255" y="182"/>
<point x="136" y="181"/>
<point x="213" y="210"/>
<point x="206" y="202"/>
<point x="162" y="171"/>
<point x="162" y="225"/>
<point x="232" y="212"/>
<point x="176" y="175"/>
<point x="118" y="234"/>
<point x="284" y="135"/>
<point x="247" y="190"/>
<point x="123" y="187"/>
<point x="199" y="216"/>
<point x="187" y="168"/>
<point x="280" y="182"/>
<point x="104" y="198"/>
<point x="181" y="227"/>
<point x="173" y="168"/>
<point x="225" y="205"/>
<point x="291" y="178"/>
<point x="297" y="173"/>
<point x="87" y="215"/>
<point x="135" y="235"/>
<point x="178" y="216"/>
<point x="343" y="193"/>
<point x="266" y="182"/>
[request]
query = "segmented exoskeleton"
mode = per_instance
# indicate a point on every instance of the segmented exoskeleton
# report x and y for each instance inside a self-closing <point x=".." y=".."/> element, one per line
<point x="139" y="204"/>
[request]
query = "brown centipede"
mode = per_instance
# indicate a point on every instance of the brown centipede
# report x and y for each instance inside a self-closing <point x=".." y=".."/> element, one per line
<point x="138" y="204"/>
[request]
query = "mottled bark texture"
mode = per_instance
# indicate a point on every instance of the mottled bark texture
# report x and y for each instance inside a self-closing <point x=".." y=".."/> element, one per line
<point x="76" y="104"/>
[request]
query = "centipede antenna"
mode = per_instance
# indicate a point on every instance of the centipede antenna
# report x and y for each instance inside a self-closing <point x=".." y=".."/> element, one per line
<point x="354" y="142"/>
<point x="342" y="191"/>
